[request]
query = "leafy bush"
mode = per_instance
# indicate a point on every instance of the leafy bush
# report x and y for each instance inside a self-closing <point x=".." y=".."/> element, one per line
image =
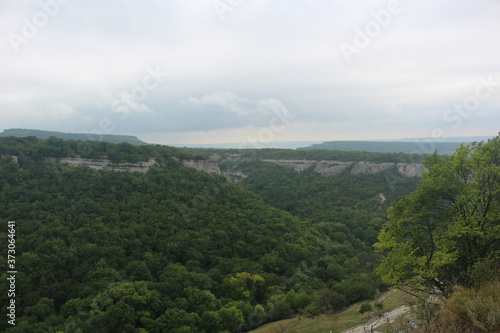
<point x="365" y="307"/>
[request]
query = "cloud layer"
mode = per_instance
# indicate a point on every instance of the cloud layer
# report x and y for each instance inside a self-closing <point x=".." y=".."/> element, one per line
<point x="73" y="65"/>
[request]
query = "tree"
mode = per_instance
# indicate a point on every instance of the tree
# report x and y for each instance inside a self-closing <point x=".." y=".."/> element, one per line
<point x="365" y="307"/>
<point x="137" y="270"/>
<point x="232" y="318"/>
<point x="42" y="309"/>
<point x="436" y="236"/>
<point x="243" y="286"/>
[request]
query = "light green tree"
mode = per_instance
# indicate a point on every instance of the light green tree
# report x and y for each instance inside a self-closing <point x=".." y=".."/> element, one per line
<point x="438" y="235"/>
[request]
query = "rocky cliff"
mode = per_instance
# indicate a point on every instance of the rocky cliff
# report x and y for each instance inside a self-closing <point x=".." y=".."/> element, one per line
<point x="324" y="167"/>
<point x="106" y="164"/>
<point x="12" y="159"/>
<point x="356" y="168"/>
<point x="209" y="166"/>
<point x="321" y="167"/>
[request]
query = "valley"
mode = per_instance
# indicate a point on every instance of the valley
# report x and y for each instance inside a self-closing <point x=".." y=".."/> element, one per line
<point x="151" y="238"/>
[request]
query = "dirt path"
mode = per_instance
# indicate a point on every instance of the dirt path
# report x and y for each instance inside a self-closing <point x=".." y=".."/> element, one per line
<point x="387" y="317"/>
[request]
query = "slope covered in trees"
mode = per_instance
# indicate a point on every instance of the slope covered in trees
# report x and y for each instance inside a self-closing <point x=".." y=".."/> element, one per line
<point x="177" y="250"/>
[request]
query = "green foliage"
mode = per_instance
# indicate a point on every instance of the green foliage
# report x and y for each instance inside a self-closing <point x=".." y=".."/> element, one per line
<point x="365" y="307"/>
<point x="30" y="149"/>
<point x="177" y="250"/>
<point x="436" y="236"/>
<point x="466" y="310"/>
<point x="43" y="308"/>
<point x="105" y="251"/>
<point x="137" y="270"/>
<point x="50" y="135"/>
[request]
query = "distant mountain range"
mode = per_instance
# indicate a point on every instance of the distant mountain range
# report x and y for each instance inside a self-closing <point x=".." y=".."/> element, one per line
<point x="406" y="146"/>
<point x="250" y="145"/>
<point x="17" y="132"/>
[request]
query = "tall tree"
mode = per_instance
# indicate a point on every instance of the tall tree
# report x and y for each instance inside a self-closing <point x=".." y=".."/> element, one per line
<point x="442" y="233"/>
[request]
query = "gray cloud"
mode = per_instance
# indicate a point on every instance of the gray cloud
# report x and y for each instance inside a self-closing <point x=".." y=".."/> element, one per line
<point x="229" y="76"/>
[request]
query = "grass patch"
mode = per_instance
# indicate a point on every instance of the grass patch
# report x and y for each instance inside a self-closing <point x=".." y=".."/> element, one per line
<point x="336" y="322"/>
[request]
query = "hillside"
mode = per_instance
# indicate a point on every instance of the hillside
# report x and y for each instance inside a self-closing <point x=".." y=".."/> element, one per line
<point x="117" y="237"/>
<point x="394" y="305"/>
<point x="349" y="207"/>
<point x="174" y="249"/>
<point x="107" y="251"/>
<point x="111" y="138"/>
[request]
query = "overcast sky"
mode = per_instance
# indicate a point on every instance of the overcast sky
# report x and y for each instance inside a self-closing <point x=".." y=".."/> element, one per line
<point x="205" y="71"/>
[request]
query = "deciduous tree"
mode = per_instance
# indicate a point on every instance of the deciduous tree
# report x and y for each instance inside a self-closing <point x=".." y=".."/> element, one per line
<point x="436" y="236"/>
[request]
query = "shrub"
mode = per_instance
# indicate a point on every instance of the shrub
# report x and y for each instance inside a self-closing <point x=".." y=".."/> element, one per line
<point x="365" y="307"/>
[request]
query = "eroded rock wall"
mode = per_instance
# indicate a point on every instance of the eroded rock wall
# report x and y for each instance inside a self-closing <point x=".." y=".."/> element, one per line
<point x="357" y="168"/>
<point x="106" y="164"/>
<point x="209" y="166"/>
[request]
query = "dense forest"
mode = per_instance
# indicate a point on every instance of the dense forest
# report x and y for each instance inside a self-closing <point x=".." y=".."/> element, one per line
<point x="180" y="250"/>
<point x="175" y="249"/>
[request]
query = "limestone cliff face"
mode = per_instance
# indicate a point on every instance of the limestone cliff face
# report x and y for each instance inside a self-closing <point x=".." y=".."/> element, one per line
<point x="106" y="164"/>
<point x="209" y="166"/>
<point x="405" y="169"/>
<point x="322" y="167"/>
<point x="357" y="168"/>
<point x="411" y="169"/>
<point x="12" y="159"/>
<point x="361" y="168"/>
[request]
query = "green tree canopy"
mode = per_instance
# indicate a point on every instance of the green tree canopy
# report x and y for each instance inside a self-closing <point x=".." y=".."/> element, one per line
<point x="441" y="234"/>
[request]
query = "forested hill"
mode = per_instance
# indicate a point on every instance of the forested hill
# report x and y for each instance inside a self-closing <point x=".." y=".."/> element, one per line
<point x="426" y="146"/>
<point x="112" y="138"/>
<point x="173" y="249"/>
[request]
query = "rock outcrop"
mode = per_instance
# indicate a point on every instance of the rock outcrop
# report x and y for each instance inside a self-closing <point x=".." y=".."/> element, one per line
<point x="361" y="168"/>
<point x="12" y="159"/>
<point x="411" y="169"/>
<point x="328" y="168"/>
<point x="106" y="164"/>
<point x="322" y="167"/>
<point x="209" y="166"/>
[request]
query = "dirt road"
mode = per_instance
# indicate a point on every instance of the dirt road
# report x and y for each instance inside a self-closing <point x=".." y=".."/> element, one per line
<point x="387" y="317"/>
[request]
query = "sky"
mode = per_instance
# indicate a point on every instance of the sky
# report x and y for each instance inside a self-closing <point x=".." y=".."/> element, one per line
<point x="214" y="71"/>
